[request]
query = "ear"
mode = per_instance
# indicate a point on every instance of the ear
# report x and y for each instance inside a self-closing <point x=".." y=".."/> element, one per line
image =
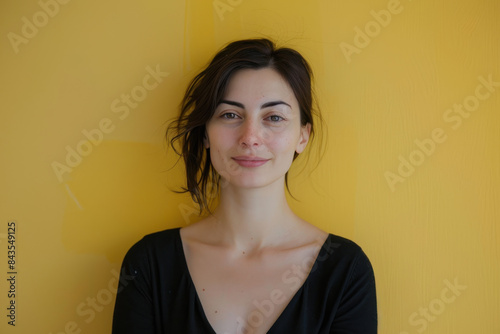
<point x="305" y="131"/>
<point x="206" y="143"/>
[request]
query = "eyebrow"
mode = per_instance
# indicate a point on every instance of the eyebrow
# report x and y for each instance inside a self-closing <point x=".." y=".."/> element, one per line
<point x="265" y="105"/>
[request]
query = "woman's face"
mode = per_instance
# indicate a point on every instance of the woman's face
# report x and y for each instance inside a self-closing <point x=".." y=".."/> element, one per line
<point x="256" y="129"/>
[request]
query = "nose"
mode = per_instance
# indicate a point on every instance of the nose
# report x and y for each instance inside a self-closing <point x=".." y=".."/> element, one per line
<point x="251" y="135"/>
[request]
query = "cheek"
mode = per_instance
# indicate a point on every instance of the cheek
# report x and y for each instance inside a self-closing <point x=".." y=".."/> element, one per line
<point x="217" y="136"/>
<point x="220" y="144"/>
<point x="284" y="142"/>
<point x="220" y="141"/>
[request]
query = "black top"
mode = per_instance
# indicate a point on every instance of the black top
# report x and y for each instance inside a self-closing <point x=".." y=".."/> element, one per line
<point x="157" y="296"/>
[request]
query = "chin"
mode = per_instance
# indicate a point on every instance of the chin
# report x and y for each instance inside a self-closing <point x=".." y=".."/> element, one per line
<point x="246" y="181"/>
<point x="251" y="178"/>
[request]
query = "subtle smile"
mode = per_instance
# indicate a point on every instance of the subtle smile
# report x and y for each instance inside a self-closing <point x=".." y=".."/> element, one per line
<point x="250" y="161"/>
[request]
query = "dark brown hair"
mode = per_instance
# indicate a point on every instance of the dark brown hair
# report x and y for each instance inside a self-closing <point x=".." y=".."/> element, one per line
<point x="207" y="89"/>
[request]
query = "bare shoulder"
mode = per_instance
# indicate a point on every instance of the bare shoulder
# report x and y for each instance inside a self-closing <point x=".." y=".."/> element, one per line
<point x="199" y="232"/>
<point x="307" y="234"/>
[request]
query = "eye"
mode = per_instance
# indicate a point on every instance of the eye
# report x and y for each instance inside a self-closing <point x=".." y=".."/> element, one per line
<point x="275" y="118"/>
<point x="229" y="115"/>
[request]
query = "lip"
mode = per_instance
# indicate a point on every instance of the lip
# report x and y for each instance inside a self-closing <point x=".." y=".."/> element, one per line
<point x="250" y="161"/>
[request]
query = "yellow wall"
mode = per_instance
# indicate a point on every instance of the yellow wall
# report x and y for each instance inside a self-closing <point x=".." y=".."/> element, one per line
<point x="424" y="227"/>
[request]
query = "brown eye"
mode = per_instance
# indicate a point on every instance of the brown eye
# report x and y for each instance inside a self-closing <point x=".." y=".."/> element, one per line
<point x="228" y="115"/>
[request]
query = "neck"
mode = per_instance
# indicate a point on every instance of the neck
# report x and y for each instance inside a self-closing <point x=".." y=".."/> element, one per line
<point x="253" y="218"/>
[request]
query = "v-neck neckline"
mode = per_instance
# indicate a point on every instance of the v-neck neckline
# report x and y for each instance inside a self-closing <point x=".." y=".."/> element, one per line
<point x="292" y="300"/>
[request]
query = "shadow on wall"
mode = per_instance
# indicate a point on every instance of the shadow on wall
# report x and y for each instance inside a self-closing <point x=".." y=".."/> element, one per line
<point x="119" y="194"/>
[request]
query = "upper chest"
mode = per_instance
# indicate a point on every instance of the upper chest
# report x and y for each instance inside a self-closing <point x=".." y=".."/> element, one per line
<point x="247" y="293"/>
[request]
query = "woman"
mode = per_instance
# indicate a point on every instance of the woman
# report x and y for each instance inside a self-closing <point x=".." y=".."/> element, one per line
<point x="252" y="265"/>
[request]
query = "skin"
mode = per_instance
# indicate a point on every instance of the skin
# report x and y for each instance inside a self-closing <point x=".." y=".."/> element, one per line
<point x="243" y="252"/>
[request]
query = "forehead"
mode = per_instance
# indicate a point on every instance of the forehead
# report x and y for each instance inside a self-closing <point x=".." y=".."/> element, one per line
<point x="259" y="85"/>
